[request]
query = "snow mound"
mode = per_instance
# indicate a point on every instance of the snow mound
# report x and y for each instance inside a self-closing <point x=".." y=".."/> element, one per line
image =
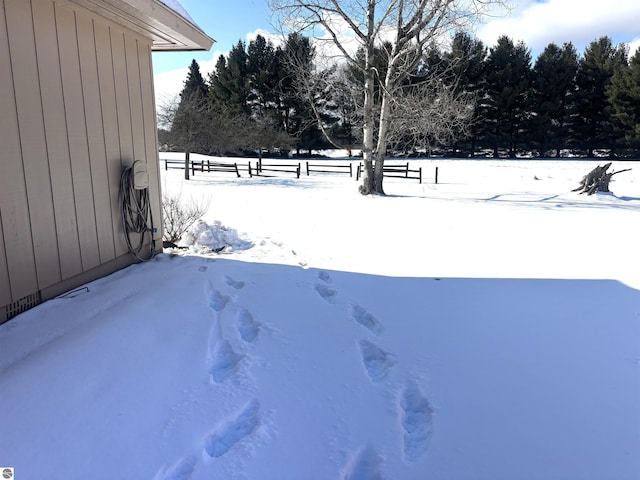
<point x="202" y="235"/>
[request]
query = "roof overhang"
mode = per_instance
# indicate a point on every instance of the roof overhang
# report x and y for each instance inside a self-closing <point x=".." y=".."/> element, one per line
<point x="168" y="30"/>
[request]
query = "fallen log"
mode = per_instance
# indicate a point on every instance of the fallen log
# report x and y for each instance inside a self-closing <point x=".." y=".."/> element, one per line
<point x="597" y="180"/>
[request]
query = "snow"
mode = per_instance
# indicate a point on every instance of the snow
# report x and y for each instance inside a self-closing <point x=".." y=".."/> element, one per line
<point x="486" y="327"/>
<point x="179" y="9"/>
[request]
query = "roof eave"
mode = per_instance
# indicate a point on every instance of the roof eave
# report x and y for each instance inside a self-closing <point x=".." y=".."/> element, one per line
<point x="168" y="30"/>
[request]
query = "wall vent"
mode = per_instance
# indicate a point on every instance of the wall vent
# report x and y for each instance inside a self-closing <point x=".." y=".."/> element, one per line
<point x="22" y="305"/>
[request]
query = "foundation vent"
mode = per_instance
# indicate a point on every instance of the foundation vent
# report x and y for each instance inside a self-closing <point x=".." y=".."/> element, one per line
<point x="21" y="305"/>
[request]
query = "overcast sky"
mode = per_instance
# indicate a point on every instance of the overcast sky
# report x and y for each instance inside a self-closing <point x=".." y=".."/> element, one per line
<point x="537" y="23"/>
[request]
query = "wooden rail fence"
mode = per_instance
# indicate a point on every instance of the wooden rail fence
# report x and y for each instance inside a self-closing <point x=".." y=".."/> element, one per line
<point x="261" y="167"/>
<point x="203" y="166"/>
<point x="330" y="168"/>
<point x="397" y="171"/>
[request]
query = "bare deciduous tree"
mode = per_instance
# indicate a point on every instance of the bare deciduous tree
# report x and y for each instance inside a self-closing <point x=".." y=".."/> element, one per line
<point x="410" y="26"/>
<point x="198" y="127"/>
<point x="429" y="113"/>
<point x="187" y="121"/>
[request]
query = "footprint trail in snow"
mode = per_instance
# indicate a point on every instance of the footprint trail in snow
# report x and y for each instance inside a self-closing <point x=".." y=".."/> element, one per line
<point x="414" y="410"/>
<point x="327" y="293"/>
<point x="233" y="430"/>
<point x="234" y="283"/>
<point x="365" y="466"/>
<point x="416" y="418"/>
<point x="180" y="470"/>
<point x="216" y="300"/>
<point x="377" y="362"/>
<point x="247" y="327"/>
<point x="323" y="289"/>
<point x="223" y="360"/>
<point x="366" y="319"/>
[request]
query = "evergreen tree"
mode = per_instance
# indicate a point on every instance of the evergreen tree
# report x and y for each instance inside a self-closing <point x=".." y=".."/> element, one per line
<point x="594" y="124"/>
<point x="466" y="65"/>
<point x="189" y="119"/>
<point x="552" y="84"/>
<point x="295" y="112"/>
<point x="624" y="96"/>
<point x="194" y="85"/>
<point x="505" y="107"/>
<point x="263" y="69"/>
<point x="229" y="83"/>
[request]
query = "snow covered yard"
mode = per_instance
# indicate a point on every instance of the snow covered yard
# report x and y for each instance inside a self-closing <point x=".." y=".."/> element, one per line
<point x="487" y="327"/>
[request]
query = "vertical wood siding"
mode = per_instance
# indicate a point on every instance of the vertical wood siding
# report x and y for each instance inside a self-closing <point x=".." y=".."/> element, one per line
<point x="111" y="133"/>
<point x="14" y="210"/>
<point x="57" y="142"/>
<point x="32" y="140"/>
<point x="77" y="106"/>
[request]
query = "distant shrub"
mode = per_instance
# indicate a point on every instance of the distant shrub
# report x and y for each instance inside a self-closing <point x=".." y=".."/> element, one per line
<point x="178" y="216"/>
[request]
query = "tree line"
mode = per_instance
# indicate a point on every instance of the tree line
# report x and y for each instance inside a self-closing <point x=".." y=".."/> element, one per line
<point x="246" y="104"/>
<point x="464" y="100"/>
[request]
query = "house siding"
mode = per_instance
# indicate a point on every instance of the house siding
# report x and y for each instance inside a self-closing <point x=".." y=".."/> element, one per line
<point x="77" y="107"/>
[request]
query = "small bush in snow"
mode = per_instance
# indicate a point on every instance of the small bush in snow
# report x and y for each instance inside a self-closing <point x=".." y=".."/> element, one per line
<point x="179" y="216"/>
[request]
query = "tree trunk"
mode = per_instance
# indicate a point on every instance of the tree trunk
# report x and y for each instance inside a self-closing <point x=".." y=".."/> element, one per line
<point x="381" y="147"/>
<point x="597" y="180"/>
<point x="367" y="187"/>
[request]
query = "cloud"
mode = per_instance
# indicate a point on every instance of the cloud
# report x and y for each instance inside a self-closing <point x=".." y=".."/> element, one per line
<point x="168" y="85"/>
<point x="538" y="23"/>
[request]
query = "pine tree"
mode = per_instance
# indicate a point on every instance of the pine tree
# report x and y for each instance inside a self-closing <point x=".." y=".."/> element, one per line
<point x="505" y="107"/>
<point x="295" y="112"/>
<point x="466" y="65"/>
<point x="552" y="83"/>
<point x="623" y="93"/>
<point x="229" y="83"/>
<point x="189" y="120"/>
<point x="263" y="69"/>
<point x="594" y="124"/>
<point x="194" y="85"/>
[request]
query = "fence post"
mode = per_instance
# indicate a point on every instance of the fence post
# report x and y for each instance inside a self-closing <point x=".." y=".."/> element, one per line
<point x="436" y="175"/>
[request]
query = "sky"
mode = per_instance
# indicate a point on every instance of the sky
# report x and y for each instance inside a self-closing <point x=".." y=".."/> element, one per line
<point x="535" y="22"/>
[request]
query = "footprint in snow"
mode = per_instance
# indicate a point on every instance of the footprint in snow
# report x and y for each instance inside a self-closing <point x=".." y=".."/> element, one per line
<point x="416" y="418"/>
<point x="180" y="470"/>
<point x="247" y="326"/>
<point x="366" y="319"/>
<point x="325" y="277"/>
<point x="376" y="361"/>
<point x="216" y="300"/>
<point x="234" y="283"/>
<point x="329" y="294"/>
<point x="222" y="361"/>
<point x="233" y="430"/>
<point x="365" y="466"/>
